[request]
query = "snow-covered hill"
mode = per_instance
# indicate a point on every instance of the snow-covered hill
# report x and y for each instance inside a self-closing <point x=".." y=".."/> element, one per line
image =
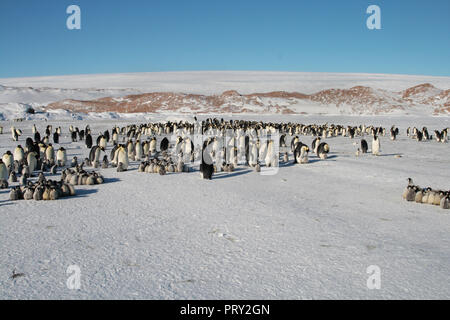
<point x="113" y="95"/>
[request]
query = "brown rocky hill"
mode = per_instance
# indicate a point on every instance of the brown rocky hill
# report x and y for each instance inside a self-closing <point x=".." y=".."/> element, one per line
<point x="358" y="99"/>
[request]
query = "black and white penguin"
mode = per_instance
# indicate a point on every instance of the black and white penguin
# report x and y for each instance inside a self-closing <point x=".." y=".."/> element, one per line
<point x="364" y="146"/>
<point x="375" y="145"/>
<point x="61" y="157"/>
<point x="88" y="141"/>
<point x="315" y="144"/>
<point x="94" y="154"/>
<point x="37" y="137"/>
<point x="322" y="150"/>
<point x="19" y="154"/>
<point x="121" y="156"/>
<point x="8" y="159"/>
<point x="3" y="171"/>
<point x="32" y="161"/>
<point x="301" y="153"/>
<point x="164" y="145"/>
<point x="206" y="166"/>
<point x="56" y="137"/>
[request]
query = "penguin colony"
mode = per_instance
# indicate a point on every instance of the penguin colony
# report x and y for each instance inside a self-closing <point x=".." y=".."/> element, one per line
<point x="40" y="155"/>
<point x="168" y="147"/>
<point x="426" y="195"/>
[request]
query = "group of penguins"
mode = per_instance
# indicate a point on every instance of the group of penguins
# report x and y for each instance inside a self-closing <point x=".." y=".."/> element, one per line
<point x="426" y="195"/>
<point x="423" y="135"/>
<point x="224" y="145"/>
<point x="39" y="155"/>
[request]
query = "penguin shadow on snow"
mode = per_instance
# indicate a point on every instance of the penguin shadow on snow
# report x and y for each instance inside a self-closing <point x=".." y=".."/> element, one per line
<point x="390" y="155"/>
<point x="235" y="173"/>
<point x="80" y="193"/>
<point x="110" y="180"/>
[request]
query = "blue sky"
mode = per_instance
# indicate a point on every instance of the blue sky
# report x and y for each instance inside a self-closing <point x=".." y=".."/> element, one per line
<point x="168" y="35"/>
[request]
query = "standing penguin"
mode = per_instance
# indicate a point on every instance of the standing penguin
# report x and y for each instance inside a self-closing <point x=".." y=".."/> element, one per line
<point x="121" y="156"/>
<point x="50" y="153"/>
<point x="3" y="171"/>
<point x="376" y="145"/>
<point x="364" y="146"/>
<point x="315" y="144"/>
<point x="88" y="141"/>
<point x="206" y="166"/>
<point x="94" y="154"/>
<point x="61" y="157"/>
<point x="56" y="137"/>
<point x="270" y="159"/>
<point x="32" y="161"/>
<point x="8" y="159"/>
<point x="19" y="154"/>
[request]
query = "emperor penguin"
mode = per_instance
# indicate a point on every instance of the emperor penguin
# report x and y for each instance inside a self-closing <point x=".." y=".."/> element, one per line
<point x="8" y="159"/>
<point x="32" y="161"/>
<point x="102" y="142"/>
<point x="364" y="146"/>
<point x="61" y="157"/>
<point x="322" y="150"/>
<point x="3" y="171"/>
<point x="294" y="141"/>
<point x="15" y="133"/>
<point x="50" y="153"/>
<point x="56" y="137"/>
<point x="121" y="156"/>
<point x="301" y="153"/>
<point x="94" y="154"/>
<point x="445" y="202"/>
<point x="271" y="155"/>
<point x="206" y="166"/>
<point x="138" y="152"/>
<point x="253" y="156"/>
<point x="34" y="129"/>
<point x="19" y="154"/>
<point x="88" y="141"/>
<point x="152" y="147"/>
<point x="315" y="144"/>
<point x="376" y="145"/>
<point x="410" y="193"/>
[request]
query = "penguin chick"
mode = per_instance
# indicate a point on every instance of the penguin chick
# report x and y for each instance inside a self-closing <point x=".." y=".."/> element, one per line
<point x="28" y="194"/>
<point x="74" y="162"/>
<point x="14" y="194"/>
<point x="12" y="177"/>
<point x="445" y="202"/>
<point x="37" y="195"/>
<point x="3" y="184"/>
<point x="105" y="162"/>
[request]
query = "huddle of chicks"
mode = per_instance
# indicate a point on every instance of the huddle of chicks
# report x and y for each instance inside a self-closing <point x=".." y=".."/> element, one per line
<point x="79" y="176"/>
<point x="42" y="189"/>
<point x="426" y="195"/>
<point x="162" y="166"/>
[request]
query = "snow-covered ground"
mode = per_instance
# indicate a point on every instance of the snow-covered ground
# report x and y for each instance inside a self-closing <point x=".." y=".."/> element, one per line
<point x="308" y="232"/>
